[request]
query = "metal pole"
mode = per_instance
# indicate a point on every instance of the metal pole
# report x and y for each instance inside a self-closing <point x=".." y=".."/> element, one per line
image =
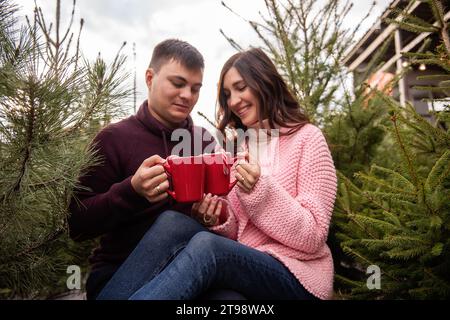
<point x="134" y="80"/>
<point x="401" y="83"/>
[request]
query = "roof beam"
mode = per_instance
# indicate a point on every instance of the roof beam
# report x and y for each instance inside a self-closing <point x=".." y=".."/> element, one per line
<point x="383" y="36"/>
<point x="376" y="26"/>
<point x="410" y="45"/>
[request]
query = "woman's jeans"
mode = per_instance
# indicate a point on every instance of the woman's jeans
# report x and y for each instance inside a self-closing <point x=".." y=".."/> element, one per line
<point x="178" y="258"/>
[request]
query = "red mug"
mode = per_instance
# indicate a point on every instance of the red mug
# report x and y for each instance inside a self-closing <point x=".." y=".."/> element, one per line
<point x="187" y="175"/>
<point x="218" y="173"/>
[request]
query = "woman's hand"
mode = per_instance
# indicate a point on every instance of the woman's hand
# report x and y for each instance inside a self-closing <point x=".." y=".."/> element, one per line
<point x="247" y="174"/>
<point x="208" y="210"/>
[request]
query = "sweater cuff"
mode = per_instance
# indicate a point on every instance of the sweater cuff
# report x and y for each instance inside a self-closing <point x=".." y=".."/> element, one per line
<point x="256" y="197"/>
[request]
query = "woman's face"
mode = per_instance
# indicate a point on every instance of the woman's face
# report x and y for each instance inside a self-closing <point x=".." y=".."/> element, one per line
<point x="240" y="98"/>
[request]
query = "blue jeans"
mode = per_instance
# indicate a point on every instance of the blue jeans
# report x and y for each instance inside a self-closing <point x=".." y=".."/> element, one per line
<point x="168" y="235"/>
<point x="210" y="260"/>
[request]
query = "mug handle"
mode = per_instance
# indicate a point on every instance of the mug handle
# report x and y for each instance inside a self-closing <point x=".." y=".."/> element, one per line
<point x="232" y="184"/>
<point x="226" y="169"/>
<point x="168" y="170"/>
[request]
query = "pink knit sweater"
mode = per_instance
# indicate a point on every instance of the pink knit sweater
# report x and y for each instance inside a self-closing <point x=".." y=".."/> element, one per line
<point x="288" y="212"/>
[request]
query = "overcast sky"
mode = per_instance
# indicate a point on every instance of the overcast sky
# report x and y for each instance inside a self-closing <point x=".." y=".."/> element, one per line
<point x="110" y="22"/>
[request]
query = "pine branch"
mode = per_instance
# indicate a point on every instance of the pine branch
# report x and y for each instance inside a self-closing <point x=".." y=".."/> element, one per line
<point x="351" y="283"/>
<point x="368" y="262"/>
<point x="206" y="118"/>
<point x="406" y="155"/>
<point x="29" y="137"/>
<point x="439" y="172"/>
<point x="378" y="224"/>
<point x="385" y="184"/>
<point x="231" y="41"/>
<point x="45" y="242"/>
<point x="401" y="254"/>
<point x="438" y="10"/>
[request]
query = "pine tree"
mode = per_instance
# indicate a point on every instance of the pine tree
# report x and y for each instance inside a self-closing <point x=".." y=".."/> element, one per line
<point x="397" y="217"/>
<point x="52" y="100"/>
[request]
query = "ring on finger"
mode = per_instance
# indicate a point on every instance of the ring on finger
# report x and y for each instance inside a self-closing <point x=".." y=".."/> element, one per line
<point x="207" y="221"/>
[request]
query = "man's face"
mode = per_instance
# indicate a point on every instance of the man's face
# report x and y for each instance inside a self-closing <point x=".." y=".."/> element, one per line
<point x="173" y="92"/>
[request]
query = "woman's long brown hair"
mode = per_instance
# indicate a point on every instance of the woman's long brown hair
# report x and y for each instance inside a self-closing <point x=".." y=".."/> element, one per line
<point x="277" y="104"/>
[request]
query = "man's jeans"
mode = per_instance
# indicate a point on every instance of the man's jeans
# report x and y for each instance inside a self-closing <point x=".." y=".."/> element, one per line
<point x="168" y="235"/>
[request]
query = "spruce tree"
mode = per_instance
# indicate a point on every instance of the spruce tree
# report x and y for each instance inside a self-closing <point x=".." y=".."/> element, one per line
<point x="397" y="217"/>
<point x="52" y="101"/>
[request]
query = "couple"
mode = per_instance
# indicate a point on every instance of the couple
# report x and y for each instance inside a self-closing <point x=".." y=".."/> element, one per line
<point x="265" y="240"/>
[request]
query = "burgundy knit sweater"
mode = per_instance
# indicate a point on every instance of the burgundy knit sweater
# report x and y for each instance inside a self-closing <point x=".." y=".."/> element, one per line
<point x="107" y="205"/>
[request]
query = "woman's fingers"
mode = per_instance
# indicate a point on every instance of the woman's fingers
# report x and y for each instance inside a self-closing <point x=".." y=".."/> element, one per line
<point x="208" y="210"/>
<point x="243" y="187"/>
<point x="204" y="204"/>
<point x="211" y="216"/>
<point x="252" y="170"/>
<point x="244" y="180"/>
<point x="218" y="210"/>
<point x="212" y="206"/>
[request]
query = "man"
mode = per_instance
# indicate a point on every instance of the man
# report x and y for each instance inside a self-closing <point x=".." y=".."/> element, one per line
<point x="127" y="191"/>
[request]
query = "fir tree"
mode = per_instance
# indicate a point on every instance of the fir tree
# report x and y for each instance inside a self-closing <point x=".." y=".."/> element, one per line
<point x="397" y="216"/>
<point x="52" y="101"/>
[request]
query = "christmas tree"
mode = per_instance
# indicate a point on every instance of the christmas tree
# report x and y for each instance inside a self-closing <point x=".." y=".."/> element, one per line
<point x="396" y="217"/>
<point x="52" y="102"/>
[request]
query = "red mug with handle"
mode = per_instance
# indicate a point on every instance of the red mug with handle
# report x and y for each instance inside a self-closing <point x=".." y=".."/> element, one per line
<point x="186" y="177"/>
<point x="218" y="173"/>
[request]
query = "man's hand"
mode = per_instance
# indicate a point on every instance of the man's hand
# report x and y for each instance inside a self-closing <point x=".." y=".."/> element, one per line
<point x="150" y="179"/>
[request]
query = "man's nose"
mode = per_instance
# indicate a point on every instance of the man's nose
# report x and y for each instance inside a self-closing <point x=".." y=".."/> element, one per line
<point x="186" y="93"/>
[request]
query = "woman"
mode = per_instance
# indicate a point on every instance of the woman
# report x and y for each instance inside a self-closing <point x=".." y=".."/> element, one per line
<point x="269" y="235"/>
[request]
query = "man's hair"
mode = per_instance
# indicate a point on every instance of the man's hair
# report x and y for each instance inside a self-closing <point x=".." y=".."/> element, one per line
<point x="174" y="49"/>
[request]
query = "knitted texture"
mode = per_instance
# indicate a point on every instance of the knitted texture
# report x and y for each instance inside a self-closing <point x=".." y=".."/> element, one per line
<point x="288" y="212"/>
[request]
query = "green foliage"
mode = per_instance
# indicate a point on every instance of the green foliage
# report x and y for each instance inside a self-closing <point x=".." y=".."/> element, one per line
<point x="355" y="134"/>
<point x="399" y="220"/>
<point x="50" y="107"/>
<point x="398" y="216"/>
<point x="307" y="41"/>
